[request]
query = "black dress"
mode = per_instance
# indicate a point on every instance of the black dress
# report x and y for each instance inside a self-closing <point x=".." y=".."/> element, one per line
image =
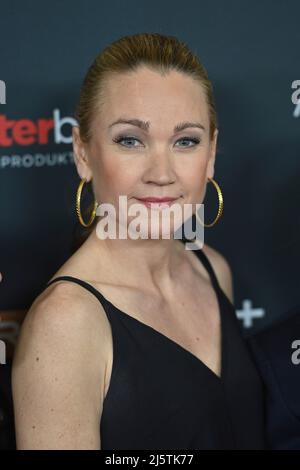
<point x="162" y="397"/>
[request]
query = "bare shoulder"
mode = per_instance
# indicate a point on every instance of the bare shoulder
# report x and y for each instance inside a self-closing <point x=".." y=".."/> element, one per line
<point x="65" y="309"/>
<point x="58" y="374"/>
<point x="221" y="268"/>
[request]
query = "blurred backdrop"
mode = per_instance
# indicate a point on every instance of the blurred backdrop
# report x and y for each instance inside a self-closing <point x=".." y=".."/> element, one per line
<point x="251" y="51"/>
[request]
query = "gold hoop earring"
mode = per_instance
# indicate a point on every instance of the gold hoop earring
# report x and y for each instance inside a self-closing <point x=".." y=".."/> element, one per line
<point x="78" y="210"/>
<point x="221" y="204"/>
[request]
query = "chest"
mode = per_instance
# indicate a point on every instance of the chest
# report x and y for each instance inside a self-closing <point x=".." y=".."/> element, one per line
<point x="191" y="319"/>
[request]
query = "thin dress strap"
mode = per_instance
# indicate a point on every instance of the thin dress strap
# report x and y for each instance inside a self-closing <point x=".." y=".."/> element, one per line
<point x="207" y="264"/>
<point x="84" y="284"/>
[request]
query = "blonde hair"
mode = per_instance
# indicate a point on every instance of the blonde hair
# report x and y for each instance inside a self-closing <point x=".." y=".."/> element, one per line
<point x="160" y="53"/>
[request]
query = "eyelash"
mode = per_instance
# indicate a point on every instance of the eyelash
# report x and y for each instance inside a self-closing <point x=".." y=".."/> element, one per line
<point x="118" y="139"/>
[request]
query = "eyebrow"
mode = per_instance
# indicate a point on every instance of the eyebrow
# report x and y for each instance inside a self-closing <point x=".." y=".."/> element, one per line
<point x="144" y="125"/>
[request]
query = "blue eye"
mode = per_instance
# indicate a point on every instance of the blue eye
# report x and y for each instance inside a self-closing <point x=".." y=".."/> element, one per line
<point x="119" y="139"/>
<point x="124" y="137"/>
<point x="195" y="140"/>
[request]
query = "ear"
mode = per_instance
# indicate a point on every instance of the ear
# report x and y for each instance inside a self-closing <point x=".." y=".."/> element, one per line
<point x="212" y="155"/>
<point x="80" y="155"/>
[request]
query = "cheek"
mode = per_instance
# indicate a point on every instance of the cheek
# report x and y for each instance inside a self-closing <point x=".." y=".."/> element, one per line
<point x="116" y="179"/>
<point x="195" y="177"/>
<point x="198" y="186"/>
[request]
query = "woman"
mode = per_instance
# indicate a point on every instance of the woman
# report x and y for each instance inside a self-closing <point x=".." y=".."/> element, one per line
<point x="134" y="343"/>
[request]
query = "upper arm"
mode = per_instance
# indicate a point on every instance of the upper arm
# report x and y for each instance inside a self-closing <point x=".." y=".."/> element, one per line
<point x="222" y="270"/>
<point x="58" y="373"/>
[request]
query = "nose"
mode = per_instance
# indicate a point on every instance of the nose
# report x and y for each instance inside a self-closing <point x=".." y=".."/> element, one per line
<point x="160" y="169"/>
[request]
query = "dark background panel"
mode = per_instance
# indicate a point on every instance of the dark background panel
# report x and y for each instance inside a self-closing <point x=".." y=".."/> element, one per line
<point x="251" y="52"/>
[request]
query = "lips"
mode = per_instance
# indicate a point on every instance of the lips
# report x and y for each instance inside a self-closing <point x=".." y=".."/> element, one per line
<point x="157" y="199"/>
<point x="157" y="203"/>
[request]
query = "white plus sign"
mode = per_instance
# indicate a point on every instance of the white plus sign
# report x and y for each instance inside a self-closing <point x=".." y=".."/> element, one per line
<point x="248" y="313"/>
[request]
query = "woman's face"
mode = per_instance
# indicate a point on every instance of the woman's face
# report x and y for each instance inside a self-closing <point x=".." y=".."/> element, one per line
<point x="155" y="159"/>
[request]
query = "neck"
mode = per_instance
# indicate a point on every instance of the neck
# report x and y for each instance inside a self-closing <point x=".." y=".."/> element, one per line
<point x="139" y="263"/>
